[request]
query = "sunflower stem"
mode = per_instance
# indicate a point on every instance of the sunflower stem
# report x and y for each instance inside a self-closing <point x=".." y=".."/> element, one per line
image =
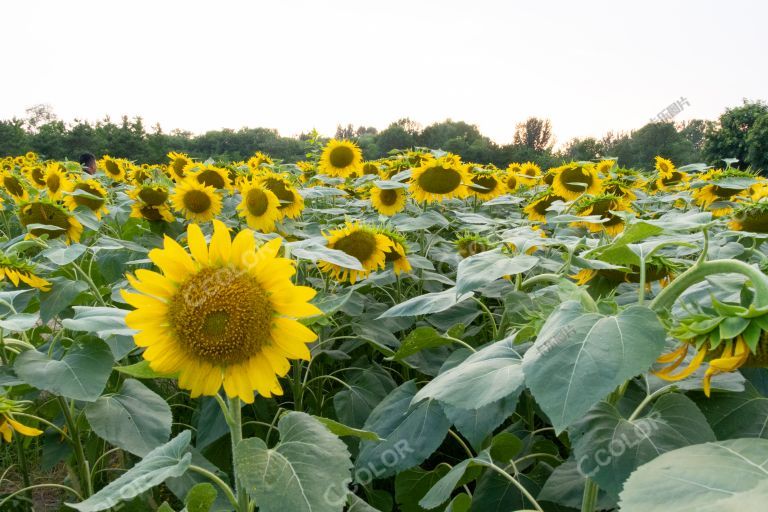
<point x="86" y="487"/>
<point x="590" y="496"/>
<point x="236" y="435"/>
<point x="18" y="440"/>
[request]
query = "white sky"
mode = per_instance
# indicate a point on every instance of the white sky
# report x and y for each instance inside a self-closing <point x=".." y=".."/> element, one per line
<point x="588" y="66"/>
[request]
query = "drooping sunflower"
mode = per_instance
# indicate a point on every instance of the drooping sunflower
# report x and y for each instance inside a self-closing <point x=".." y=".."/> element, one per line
<point x="397" y="253"/>
<point x="619" y="188"/>
<point x="572" y="180"/>
<point x="291" y="202"/>
<point x="370" y="168"/>
<point x="438" y="179"/>
<point x="36" y="175"/>
<point x="260" y="207"/>
<point x="222" y="314"/>
<point x="486" y="185"/>
<point x="14" y="185"/>
<point x="469" y="244"/>
<point x="259" y="159"/>
<point x="19" y="270"/>
<point x="57" y="221"/>
<point x="529" y="174"/>
<point x="157" y="213"/>
<point x="718" y="198"/>
<point x="388" y="201"/>
<point x="9" y="425"/>
<point x="178" y="162"/>
<point x="115" y="168"/>
<point x="209" y="175"/>
<point x="56" y="181"/>
<point x="197" y="202"/>
<point x="88" y="193"/>
<point x="603" y="205"/>
<point x="752" y="217"/>
<point x="657" y="269"/>
<point x="537" y="208"/>
<point x="341" y="158"/>
<point x="362" y="242"/>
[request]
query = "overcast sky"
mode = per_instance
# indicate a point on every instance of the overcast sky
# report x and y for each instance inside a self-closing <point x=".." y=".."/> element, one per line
<point x="588" y="66"/>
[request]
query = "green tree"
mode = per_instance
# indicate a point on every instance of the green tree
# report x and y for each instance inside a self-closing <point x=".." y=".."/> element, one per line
<point x="14" y="140"/>
<point x="757" y="141"/>
<point x="534" y="133"/>
<point x="728" y="137"/>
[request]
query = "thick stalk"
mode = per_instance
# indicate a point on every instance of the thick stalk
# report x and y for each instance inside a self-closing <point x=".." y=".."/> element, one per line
<point x="86" y="488"/>
<point x="236" y="435"/>
<point x="589" y="501"/>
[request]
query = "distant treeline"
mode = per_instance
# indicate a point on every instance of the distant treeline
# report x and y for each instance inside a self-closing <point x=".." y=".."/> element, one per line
<point x="741" y="132"/>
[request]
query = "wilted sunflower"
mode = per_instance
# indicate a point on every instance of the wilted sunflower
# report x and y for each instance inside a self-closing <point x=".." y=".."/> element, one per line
<point x="573" y="180"/>
<point x="388" y="201"/>
<point x="439" y="179"/>
<point x="397" y="253"/>
<point x="222" y="314"/>
<point x="603" y="205"/>
<point x="156" y="213"/>
<point x="115" y="168"/>
<point x="486" y="185"/>
<point x="18" y="270"/>
<point x="178" y="162"/>
<point x="87" y="193"/>
<point x="209" y="175"/>
<point x="752" y="217"/>
<point x="9" y="425"/>
<point x="362" y="242"/>
<point x="260" y="207"/>
<point x="537" y="208"/>
<point x="47" y="213"/>
<point x="56" y="181"/>
<point x="469" y="244"/>
<point x="14" y="185"/>
<point x="259" y="159"/>
<point x="197" y="202"/>
<point x="341" y="158"/>
<point x="529" y="174"/>
<point x="291" y="202"/>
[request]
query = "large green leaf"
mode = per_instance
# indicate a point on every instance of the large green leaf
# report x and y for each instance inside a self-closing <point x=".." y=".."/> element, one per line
<point x="579" y="358"/>
<point x="135" y="418"/>
<point x="308" y="471"/>
<point x="713" y="477"/>
<point x="62" y="294"/>
<point x="81" y="374"/>
<point x="411" y="486"/>
<point x="169" y="460"/>
<point x="411" y="433"/>
<point x="100" y="320"/>
<point x="608" y="447"/>
<point x="565" y="486"/>
<point x="420" y="339"/>
<point x="427" y="303"/>
<point x="477" y="424"/>
<point x="478" y="270"/>
<point x="735" y="415"/>
<point x="493" y="373"/>
<point x="20" y="322"/>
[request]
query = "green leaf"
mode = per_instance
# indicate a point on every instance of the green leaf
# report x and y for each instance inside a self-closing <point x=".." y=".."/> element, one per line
<point x="427" y="303"/>
<point x="19" y="322"/>
<point x="201" y="497"/>
<point x="142" y="370"/>
<point x="493" y="373"/>
<point x="343" y="430"/>
<point x="424" y="221"/>
<point x="413" y="484"/>
<point x="460" y="503"/>
<point x="354" y="404"/>
<point x="358" y="504"/>
<point x="565" y="486"/>
<point x="169" y="460"/>
<point x="100" y="320"/>
<point x="608" y="448"/>
<point x="410" y="433"/>
<point x="726" y="475"/>
<point x="135" y="418"/>
<point x="419" y="339"/>
<point x="478" y="270"/>
<point x="81" y="374"/>
<point x="322" y="253"/>
<point x="308" y="471"/>
<point x="737" y="415"/>
<point x="64" y="254"/>
<point x="477" y="424"/>
<point x="62" y="294"/>
<point x="579" y="358"/>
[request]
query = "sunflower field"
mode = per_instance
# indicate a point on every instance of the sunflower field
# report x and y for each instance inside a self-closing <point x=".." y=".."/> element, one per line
<point x="414" y="333"/>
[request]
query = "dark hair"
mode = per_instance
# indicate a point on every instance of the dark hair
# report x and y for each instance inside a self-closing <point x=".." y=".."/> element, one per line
<point x="87" y="159"/>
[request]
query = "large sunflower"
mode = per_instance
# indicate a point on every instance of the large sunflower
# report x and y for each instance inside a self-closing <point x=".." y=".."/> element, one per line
<point x="223" y="315"/>
<point x="529" y="174"/>
<point x="291" y="202"/>
<point x="537" y="208"/>
<point x="57" y="221"/>
<point x="486" y="185"/>
<point x="178" y="162"/>
<point x="341" y="158"/>
<point x="88" y="193"/>
<point x="151" y="194"/>
<point x="573" y="180"/>
<point x="259" y="159"/>
<point x="438" y="179"/>
<point x="397" y="253"/>
<point x="388" y="201"/>
<point x="209" y="175"/>
<point x="36" y="176"/>
<point x="752" y="217"/>
<point x="362" y="242"/>
<point x="18" y="270"/>
<point x="260" y="207"/>
<point x="197" y="202"/>
<point x="603" y="205"/>
<point x="56" y="181"/>
<point x="14" y="185"/>
<point x="155" y="213"/>
<point x="115" y="168"/>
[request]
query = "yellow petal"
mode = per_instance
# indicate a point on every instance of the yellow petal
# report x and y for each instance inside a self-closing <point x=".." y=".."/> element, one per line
<point x="243" y="248"/>
<point x="23" y="429"/>
<point x="221" y="245"/>
<point x="197" y="245"/>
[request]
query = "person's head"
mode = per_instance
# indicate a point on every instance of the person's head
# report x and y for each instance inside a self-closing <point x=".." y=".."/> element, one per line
<point x="88" y="162"/>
